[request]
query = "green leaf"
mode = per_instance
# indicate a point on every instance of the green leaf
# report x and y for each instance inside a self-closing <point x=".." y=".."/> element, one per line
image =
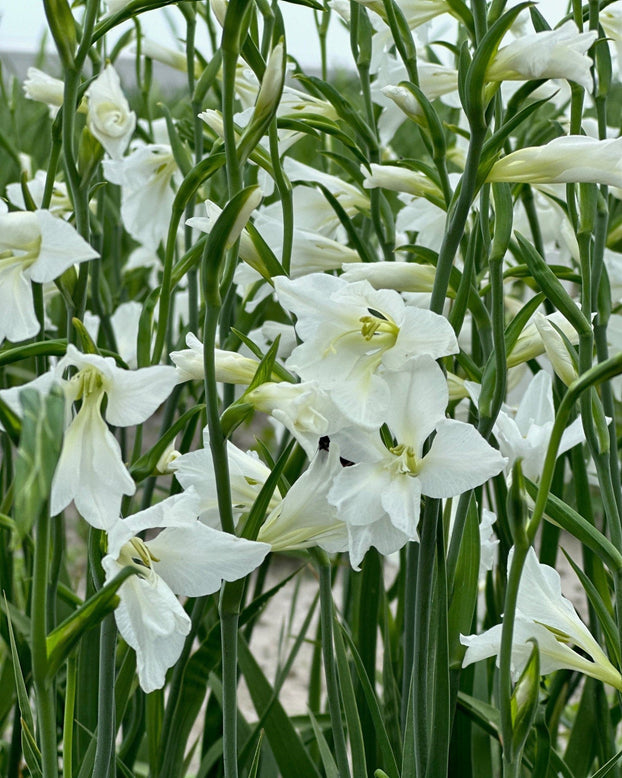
<point x="43" y="423"/>
<point x="608" y="766"/>
<point x="29" y="746"/>
<point x="61" y="641"/>
<point x="48" y="348"/>
<point x="464" y="589"/>
<point x="353" y="721"/>
<point x="330" y="766"/>
<point x="290" y="754"/>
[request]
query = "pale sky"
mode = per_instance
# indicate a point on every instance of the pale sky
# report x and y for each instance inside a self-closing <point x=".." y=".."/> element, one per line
<point x="22" y="23"/>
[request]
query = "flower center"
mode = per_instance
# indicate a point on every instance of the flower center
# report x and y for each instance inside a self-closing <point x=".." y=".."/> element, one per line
<point x="90" y="383"/>
<point x="375" y="324"/>
<point x="136" y="554"/>
<point x="406" y="462"/>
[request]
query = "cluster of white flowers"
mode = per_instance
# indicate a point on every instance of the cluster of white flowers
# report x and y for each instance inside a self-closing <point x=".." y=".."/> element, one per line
<point x="363" y="375"/>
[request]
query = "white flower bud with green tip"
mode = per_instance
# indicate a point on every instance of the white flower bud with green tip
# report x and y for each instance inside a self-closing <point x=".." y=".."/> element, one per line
<point x="565" y="160"/>
<point x="109" y="117"/>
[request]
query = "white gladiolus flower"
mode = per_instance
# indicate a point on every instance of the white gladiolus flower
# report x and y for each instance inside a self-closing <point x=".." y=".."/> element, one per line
<point x="186" y="558"/>
<point x="557" y="53"/>
<point x="569" y="159"/>
<point x="247" y="472"/>
<point x="434" y="81"/>
<point x="399" y="179"/>
<point x="527" y="435"/>
<point x="544" y="614"/>
<point x="145" y="178"/>
<point x="90" y="470"/>
<point x="351" y="198"/>
<point x="34" y="246"/>
<point x="231" y="367"/>
<point x="401" y="276"/>
<point x="379" y="495"/>
<point x="350" y="331"/>
<point x="109" y="117"/>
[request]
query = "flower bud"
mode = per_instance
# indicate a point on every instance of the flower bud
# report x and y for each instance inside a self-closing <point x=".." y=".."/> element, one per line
<point x="109" y="117"/>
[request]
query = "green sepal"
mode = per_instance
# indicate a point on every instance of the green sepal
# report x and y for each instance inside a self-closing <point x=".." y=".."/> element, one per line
<point x="28" y="201"/>
<point x="86" y="341"/>
<point x="463" y="595"/>
<point x="474" y="88"/>
<point x="43" y="424"/>
<point x="180" y="151"/>
<point x="61" y="641"/>
<point x="242" y="409"/>
<point x="11" y="422"/>
<point x="63" y="28"/>
<point x="145" y="465"/>
<point x="90" y="154"/>
<point x="235" y="27"/>
<point x="432" y="123"/>
<point x="517" y="513"/>
<point x="262" y="501"/>
<point x="143" y="337"/>
<point x="551" y="286"/>
<point x="223" y="234"/>
<point x="524" y="701"/>
<point x="207" y="78"/>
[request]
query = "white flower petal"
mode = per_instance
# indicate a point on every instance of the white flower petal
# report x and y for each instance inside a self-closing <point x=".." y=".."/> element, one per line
<point x="195" y="559"/>
<point x="61" y="247"/>
<point x="459" y="459"/>
<point x="134" y="395"/>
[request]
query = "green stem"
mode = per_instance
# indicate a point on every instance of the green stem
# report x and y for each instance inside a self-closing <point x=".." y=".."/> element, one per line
<point x="104" y="753"/>
<point x="229" y="645"/>
<point x="285" y="193"/>
<point x="70" y="706"/>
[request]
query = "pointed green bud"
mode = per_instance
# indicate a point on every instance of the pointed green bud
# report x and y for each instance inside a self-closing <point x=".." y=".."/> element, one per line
<point x="524" y="702"/>
<point x="517" y="507"/>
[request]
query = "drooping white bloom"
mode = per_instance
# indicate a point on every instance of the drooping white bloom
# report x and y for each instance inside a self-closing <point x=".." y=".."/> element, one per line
<point x="90" y="470"/>
<point x="247" y="473"/>
<point x="167" y="56"/>
<point x="530" y="344"/>
<point x="560" y="53"/>
<point x="544" y="614"/>
<point x="145" y="177"/>
<point x="304" y="517"/>
<point x="44" y="88"/>
<point x="186" y="558"/>
<point x="379" y="495"/>
<point x="399" y="179"/>
<point x="527" y="435"/>
<point x="351" y="198"/>
<point x="401" y="276"/>
<point x="34" y="246"/>
<point x="60" y="203"/>
<point x="350" y="331"/>
<point x="569" y="159"/>
<point x="109" y="117"/>
<point x="304" y="409"/>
